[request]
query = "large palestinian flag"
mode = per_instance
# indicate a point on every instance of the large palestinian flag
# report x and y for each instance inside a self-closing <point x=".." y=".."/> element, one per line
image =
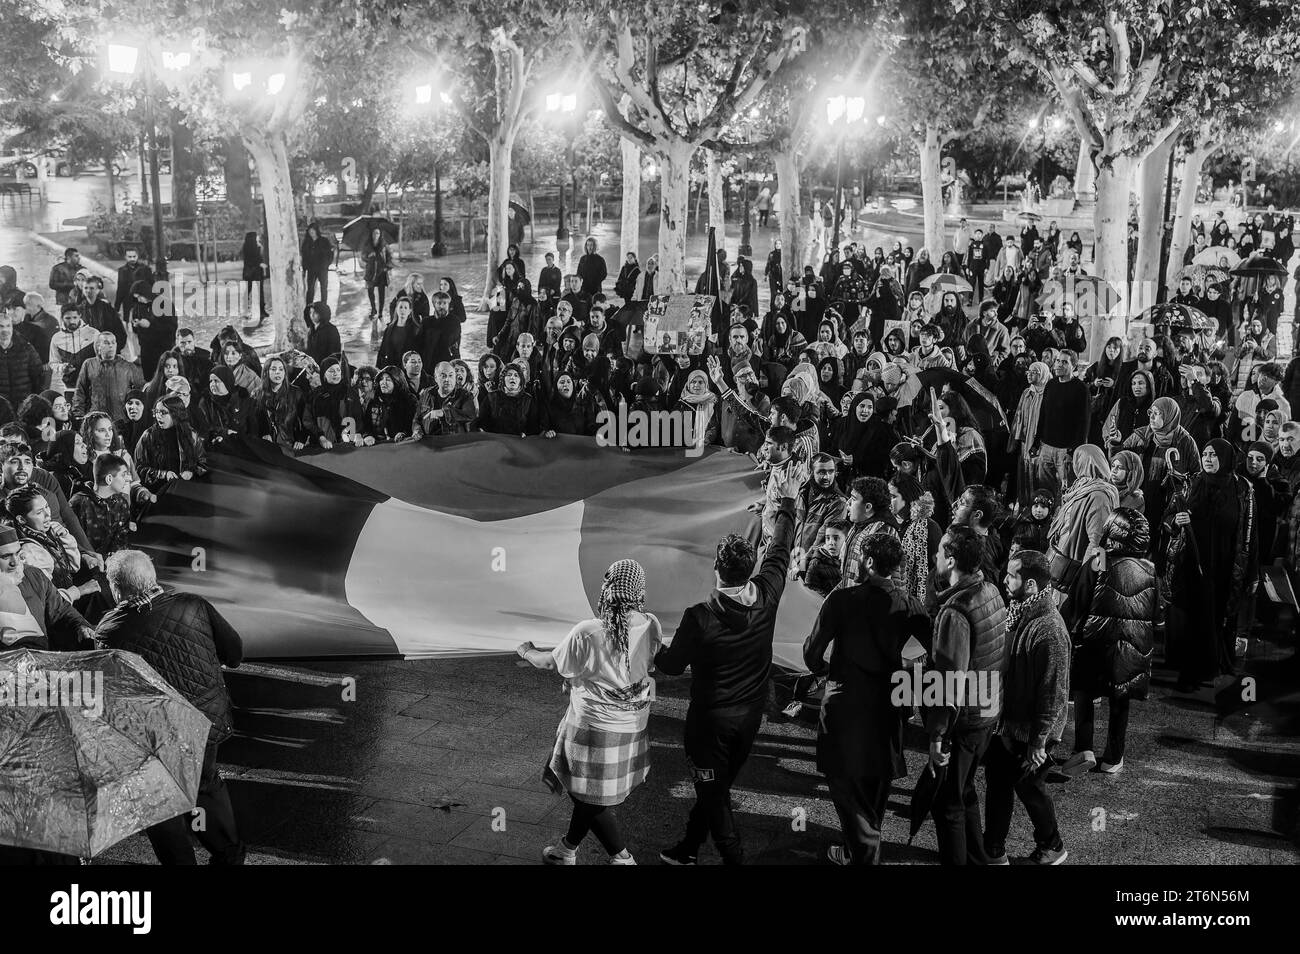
<point x="467" y="544"/>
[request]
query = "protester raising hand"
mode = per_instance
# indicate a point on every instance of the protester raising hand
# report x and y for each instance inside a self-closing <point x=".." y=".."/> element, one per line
<point x="715" y="371"/>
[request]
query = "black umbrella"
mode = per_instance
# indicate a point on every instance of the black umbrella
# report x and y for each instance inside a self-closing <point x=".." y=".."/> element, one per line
<point x="927" y="787"/>
<point x="1178" y="316"/>
<point x="1257" y="266"/>
<point x="976" y="394"/>
<point x="356" y="233"/>
<point x="520" y="212"/>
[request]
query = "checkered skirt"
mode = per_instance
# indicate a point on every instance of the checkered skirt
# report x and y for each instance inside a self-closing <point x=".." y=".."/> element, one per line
<point x="597" y="766"/>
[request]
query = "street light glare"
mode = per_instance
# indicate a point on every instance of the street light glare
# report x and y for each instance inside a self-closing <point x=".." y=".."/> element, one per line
<point x="553" y="102"/>
<point x="1058" y="122"/>
<point x="856" y="107"/>
<point x="123" y="58"/>
<point x="424" y="94"/>
<point x="275" y="84"/>
<point x="445" y="97"/>
<point x="835" y="107"/>
<point x="570" y="103"/>
<point x="176" y="61"/>
<point x="241" y="81"/>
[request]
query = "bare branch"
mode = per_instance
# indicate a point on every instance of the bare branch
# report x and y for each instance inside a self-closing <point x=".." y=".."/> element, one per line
<point x="1121" y="64"/>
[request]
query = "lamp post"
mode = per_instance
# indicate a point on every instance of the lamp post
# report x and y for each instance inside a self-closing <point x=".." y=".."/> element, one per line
<point x="842" y="111"/>
<point x="746" y="249"/>
<point x="424" y="96"/>
<point x="123" y="61"/>
<point x="564" y="106"/>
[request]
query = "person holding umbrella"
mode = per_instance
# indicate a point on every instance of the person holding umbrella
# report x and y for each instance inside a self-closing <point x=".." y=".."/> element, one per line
<point x="860" y="731"/>
<point x="184" y="638"/>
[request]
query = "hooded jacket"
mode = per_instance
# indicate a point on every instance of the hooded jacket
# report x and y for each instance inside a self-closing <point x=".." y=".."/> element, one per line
<point x="317" y="253"/>
<point x="1113" y="657"/>
<point x="727" y="640"/>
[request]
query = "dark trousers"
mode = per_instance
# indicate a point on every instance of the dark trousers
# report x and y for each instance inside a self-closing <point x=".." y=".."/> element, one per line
<point x="718" y="743"/>
<point x="600" y="819"/>
<point x="1006" y="780"/>
<point x="377" y="295"/>
<point x="312" y="278"/>
<point x="860" y="803"/>
<point x="956" y="808"/>
<point x="261" y="295"/>
<point x="217" y="833"/>
<point x="1116" y="727"/>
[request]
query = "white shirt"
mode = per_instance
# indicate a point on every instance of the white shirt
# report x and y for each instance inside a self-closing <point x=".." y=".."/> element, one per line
<point x="604" y="692"/>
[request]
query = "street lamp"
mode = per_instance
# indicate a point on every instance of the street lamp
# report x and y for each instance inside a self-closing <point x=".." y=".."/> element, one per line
<point x="425" y="98"/>
<point x="843" y="111"/>
<point x="564" y="106"/>
<point x="122" y="60"/>
<point x="746" y="248"/>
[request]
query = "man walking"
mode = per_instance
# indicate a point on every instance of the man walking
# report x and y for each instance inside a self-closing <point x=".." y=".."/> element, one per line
<point x="727" y="642"/>
<point x="183" y="637"/>
<point x="1036" y="690"/>
<point x="969" y="650"/>
<point x="860" y="732"/>
<point x="1062" y="423"/>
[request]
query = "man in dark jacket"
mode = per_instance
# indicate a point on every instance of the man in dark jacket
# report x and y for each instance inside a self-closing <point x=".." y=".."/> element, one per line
<point x="550" y="278"/>
<point x="196" y="362"/>
<point x="440" y="334"/>
<point x="1035" y="695"/>
<point x="322" y="334"/>
<point x="969" y="651"/>
<point x="444" y="408"/>
<point x="317" y="253"/>
<point x="63" y="276"/>
<point x="39" y="617"/>
<point x="727" y="642"/>
<point x="592" y="270"/>
<point x="860" y="733"/>
<point x="819" y="502"/>
<point x="127" y="275"/>
<point x="21" y="369"/>
<point x="99" y="314"/>
<point x="187" y="641"/>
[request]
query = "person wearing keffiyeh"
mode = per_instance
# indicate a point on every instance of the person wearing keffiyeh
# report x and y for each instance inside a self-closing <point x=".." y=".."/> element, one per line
<point x="602" y="749"/>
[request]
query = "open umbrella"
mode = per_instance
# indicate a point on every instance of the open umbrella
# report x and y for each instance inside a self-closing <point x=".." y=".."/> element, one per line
<point x="1215" y="256"/>
<point x="295" y="360"/>
<point x="111" y="750"/>
<point x="976" y="394"/>
<point x="1178" y="316"/>
<point x="1205" y="274"/>
<point x="519" y="212"/>
<point x="1090" y="295"/>
<point x="356" y="234"/>
<point x="1257" y="266"/>
<point x="1030" y="217"/>
<point x="944" y="282"/>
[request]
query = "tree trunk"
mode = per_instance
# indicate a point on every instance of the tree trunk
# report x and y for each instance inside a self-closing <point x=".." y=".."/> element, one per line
<point x="1085" y="174"/>
<point x="1193" y="163"/>
<point x="675" y="184"/>
<point x="1110" y="226"/>
<point x="271" y="155"/>
<point x="930" y="152"/>
<point x="498" y="213"/>
<point x="184" y="201"/>
<point x="717" y="199"/>
<point x="239" y="185"/>
<point x="792" y="237"/>
<point x="630" y="222"/>
<point x="1151" y="182"/>
<point x="341" y="184"/>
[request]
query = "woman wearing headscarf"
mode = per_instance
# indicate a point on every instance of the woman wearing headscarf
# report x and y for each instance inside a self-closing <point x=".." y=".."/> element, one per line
<point x="864" y="439"/>
<point x="701" y="404"/>
<point x="169" y="449"/>
<point x="602" y="747"/>
<point x="569" y="410"/>
<point x="391" y="412"/>
<point x="1212" y="562"/>
<point x="885" y="302"/>
<point x="69" y="461"/>
<point x="829" y="372"/>
<point x="243" y="374"/>
<point x="1074" y="536"/>
<point x="1128" y="475"/>
<point x="327" y="403"/>
<point x="774" y="274"/>
<point x="744" y="287"/>
<point x="447" y="286"/>
<point x="919" y="535"/>
<point x="919" y="271"/>
<point x="625" y="286"/>
<point x="227" y="408"/>
<point x="785" y="343"/>
<point x="1129" y="412"/>
<point x="1024" y="425"/>
<point x="771" y="379"/>
<point x="1101" y="377"/>
<point x="1113" y="649"/>
<point x="1153" y="443"/>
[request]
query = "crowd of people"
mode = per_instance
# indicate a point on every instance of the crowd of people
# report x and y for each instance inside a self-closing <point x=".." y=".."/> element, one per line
<point x="938" y="466"/>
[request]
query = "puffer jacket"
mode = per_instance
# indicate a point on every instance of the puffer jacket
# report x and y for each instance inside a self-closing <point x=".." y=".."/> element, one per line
<point x="814" y="508"/>
<point x="183" y="637"/>
<point x="21" y="371"/>
<point x="1112" y="655"/>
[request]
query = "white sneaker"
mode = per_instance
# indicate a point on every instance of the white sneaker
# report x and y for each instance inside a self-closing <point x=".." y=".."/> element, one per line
<point x="1108" y="768"/>
<point x="559" y="855"/>
<point x="837" y="855"/>
<point x="616" y="860"/>
<point x="1077" y="764"/>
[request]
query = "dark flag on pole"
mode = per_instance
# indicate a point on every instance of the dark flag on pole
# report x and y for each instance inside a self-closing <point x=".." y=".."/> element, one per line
<point x="710" y="283"/>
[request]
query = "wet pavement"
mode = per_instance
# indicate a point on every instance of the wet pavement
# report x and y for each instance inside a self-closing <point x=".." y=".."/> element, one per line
<point x="439" y="762"/>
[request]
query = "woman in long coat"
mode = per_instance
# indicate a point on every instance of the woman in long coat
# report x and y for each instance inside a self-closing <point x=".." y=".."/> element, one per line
<point x="1213" y="559"/>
